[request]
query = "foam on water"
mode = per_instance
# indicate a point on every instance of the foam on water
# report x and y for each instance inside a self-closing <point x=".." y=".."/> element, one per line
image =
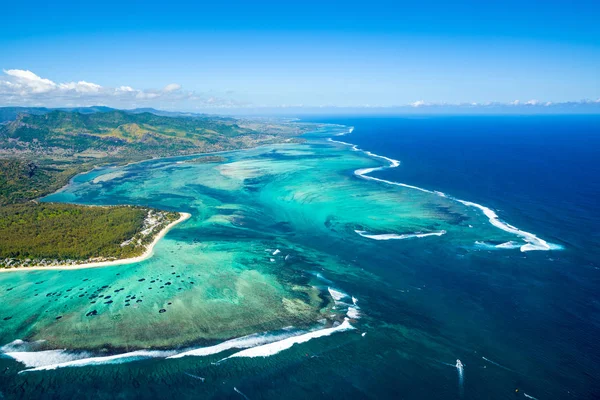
<point x="276" y="347"/>
<point x="239" y="343"/>
<point x="53" y="359"/>
<point x="394" y="236"/>
<point x="87" y="361"/>
<point x="33" y="359"/>
<point x="336" y="294"/>
<point x="508" y="245"/>
<point x="351" y="310"/>
<point x="501" y="246"/>
<point x="353" y="313"/>
<point x="345" y="133"/>
<point x="532" y="241"/>
<point x="19" y="345"/>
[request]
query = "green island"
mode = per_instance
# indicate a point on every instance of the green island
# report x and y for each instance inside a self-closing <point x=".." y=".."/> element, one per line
<point x="42" y="149"/>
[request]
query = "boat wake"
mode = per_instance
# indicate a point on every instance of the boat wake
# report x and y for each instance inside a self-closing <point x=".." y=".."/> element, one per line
<point x="460" y="368"/>
<point x="240" y="393"/>
<point x="532" y="242"/>
<point x="496" y="364"/>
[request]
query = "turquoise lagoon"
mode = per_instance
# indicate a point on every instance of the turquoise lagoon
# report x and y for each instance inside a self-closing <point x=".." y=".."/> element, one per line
<point x="296" y="275"/>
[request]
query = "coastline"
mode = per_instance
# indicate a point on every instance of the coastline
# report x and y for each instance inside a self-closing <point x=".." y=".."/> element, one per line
<point x="147" y="254"/>
<point x="150" y="248"/>
<point x="125" y="164"/>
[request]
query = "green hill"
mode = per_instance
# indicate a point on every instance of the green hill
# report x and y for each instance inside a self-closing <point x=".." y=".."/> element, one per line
<point x="40" y="150"/>
<point x="120" y="132"/>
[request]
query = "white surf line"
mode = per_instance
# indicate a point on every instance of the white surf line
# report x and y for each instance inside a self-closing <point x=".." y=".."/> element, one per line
<point x="346" y="133"/>
<point x="115" y="359"/>
<point x="270" y="349"/>
<point x="336" y="294"/>
<point x="352" y="310"/>
<point x="53" y="359"/>
<point x="529" y="397"/>
<point x="238" y="343"/>
<point x="392" y="236"/>
<point x="32" y="359"/>
<point x="533" y="242"/>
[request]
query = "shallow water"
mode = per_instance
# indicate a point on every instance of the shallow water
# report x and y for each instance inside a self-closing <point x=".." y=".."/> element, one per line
<point x="280" y="285"/>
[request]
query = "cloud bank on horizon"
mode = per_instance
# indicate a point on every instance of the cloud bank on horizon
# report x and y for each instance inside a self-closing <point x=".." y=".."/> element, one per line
<point x="25" y="88"/>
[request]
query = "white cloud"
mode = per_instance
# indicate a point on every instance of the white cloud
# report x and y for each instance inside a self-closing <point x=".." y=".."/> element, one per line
<point x="22" y="87"/>
<point x="25" y="88"/>
<point x="144" y="95"/>
<point x="124" y="89"/>
<point x="26" y="81"/>
<point x="172" y="87"/>
<point x="419" y="103"/>
<point x="81" y="87"/>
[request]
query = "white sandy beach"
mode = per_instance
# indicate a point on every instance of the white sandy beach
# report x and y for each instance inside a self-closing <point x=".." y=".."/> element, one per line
<point x="147" y="254"/>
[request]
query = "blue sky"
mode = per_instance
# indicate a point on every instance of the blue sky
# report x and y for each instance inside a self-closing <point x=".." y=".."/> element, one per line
<point x="200" y="56"/>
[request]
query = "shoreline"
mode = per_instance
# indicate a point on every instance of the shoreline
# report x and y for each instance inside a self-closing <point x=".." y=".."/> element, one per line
<point x="147" y="254"/>
<point x="107" y="166"/>
<point x="150" y="248"/>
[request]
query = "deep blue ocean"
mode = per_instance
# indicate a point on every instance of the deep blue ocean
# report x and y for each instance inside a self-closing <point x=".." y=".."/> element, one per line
<point x="542" y="174"/>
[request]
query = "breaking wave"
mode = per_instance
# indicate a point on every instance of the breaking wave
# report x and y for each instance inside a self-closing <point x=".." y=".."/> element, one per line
<point x="532" y="242"/>
<point x="266" y="343"/>
<point x="345" y="133"/>
<point x="32" y="359"/>
<point x="239" y="343"/>
<point x="336" y="294"/>
<point x="392" y="236"/>
<point x="276" y="347"/>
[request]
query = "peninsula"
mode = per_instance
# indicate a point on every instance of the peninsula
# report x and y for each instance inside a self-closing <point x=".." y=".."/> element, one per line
<point x="42" y="149"/>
